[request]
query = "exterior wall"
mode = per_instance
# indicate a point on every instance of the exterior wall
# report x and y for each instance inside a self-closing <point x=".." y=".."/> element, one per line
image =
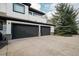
<point x="7" y="9"/>
<point x="3" y="7"/>
<point x="37" y="19"/>
<point x="7" y="28"/>
<point x="4" y="28"/>
<point x="11" y="13"/>
<point x="78" y="28"/>
<point x="9" y="22"/>
<point x="52" y="30"/>
<point x="8" y="25"/>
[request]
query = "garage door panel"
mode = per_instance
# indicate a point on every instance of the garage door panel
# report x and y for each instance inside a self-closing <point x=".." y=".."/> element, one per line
<point x="22" y="31"/>
<point x="45" y="30"/>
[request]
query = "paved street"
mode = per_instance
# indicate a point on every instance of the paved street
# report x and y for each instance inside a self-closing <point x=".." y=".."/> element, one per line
<point x="43" y="46"/>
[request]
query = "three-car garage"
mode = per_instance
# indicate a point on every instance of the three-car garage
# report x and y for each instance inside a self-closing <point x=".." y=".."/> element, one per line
<point x="25" y="30"/>
<point x="19" y="28"/>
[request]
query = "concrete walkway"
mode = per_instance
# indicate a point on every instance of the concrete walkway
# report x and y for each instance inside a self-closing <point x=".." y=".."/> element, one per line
<point x="43" y="46"/>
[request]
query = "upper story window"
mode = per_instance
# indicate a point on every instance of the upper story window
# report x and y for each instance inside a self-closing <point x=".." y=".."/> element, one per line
<point x="37" y="14"/>
<point x="1" y="25"/>
<point x="30" y="12"/>
<point x="18" y="8"/>
<point x="34" y="13"/>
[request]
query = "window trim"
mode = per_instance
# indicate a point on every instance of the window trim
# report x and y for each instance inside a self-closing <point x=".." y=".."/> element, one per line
<point x="19" y="5"/>
<point x="1" y="26"/>
<point x="30" y="12"/>
<point x="34" y="13"/>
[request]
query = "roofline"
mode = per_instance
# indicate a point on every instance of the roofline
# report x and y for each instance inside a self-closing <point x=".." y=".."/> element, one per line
<point x="28" y="4"/>
<point x="32" y="9"/>
<point x="35" y="10"/>
<point x="23" y="20"/>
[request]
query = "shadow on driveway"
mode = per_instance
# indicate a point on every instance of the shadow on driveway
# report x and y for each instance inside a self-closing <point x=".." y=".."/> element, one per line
<point x="3" y="44"/>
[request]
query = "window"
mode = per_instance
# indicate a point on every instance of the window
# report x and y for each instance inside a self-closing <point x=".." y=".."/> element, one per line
<point x="19" y="8"/>
<point x="30" y="12"/>
<point x="34" y="13"/>
<point x="1" y="25"/>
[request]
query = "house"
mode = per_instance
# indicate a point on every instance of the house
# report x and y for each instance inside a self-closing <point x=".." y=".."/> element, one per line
<point x="19" y="20"/>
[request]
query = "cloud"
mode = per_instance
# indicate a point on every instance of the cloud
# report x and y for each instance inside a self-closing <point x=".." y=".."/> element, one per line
<point x="51" y="11"/>
<point x="76" y="5"/>
<point x="36" y="6"/>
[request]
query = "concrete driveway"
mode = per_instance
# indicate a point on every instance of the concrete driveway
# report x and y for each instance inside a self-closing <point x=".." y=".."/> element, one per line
<point x="43" y="46"/>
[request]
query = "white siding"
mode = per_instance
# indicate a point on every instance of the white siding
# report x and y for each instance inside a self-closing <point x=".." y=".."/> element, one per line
<point x="11" y="13"/>
<point x="52" y="29"/>
<point x="8" y="27"/>
<point x="37" y="19"/>
<point x="3" y="7"/>
<point x="8" y="9"/>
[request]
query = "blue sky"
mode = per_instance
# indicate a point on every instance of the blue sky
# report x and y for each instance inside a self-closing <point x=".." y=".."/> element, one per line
<point x="46" y="7"/>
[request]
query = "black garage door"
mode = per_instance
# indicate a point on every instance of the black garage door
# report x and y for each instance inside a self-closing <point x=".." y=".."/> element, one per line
<point x="22" y="31"/>
<point x="45" y="30"/>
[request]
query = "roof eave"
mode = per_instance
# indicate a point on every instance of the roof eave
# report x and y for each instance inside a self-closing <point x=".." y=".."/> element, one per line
<point x="23" y="20"/>
<point x="28" y="4"/>
<point x="32" y="9"/>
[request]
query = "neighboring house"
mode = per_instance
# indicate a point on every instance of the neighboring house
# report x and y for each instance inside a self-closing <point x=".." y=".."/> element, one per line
<point x="19" y="20"/>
